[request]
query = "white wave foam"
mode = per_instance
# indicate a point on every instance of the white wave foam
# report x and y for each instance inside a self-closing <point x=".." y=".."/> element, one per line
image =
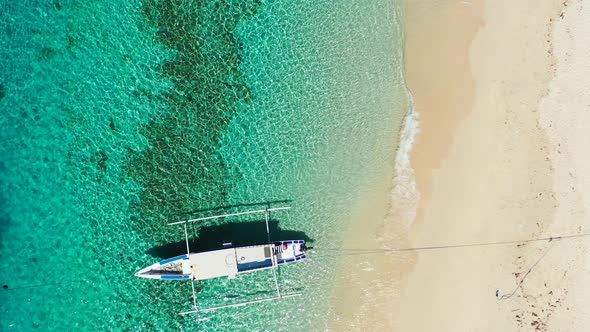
<point x="405" y="195"/>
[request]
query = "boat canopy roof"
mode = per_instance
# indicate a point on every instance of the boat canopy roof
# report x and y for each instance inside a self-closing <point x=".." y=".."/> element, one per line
<point x="228" y="262"/>
<point x="212" y="264"/>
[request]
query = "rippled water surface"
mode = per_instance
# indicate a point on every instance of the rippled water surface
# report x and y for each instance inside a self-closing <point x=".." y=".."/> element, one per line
<point x="120" y="116"/>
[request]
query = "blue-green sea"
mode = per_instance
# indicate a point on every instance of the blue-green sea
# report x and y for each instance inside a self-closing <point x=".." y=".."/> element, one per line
<point x="118" y="117"/>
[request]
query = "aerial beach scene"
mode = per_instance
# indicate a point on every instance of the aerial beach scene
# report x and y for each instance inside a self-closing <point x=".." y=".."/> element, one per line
<point x="394" y="165"/>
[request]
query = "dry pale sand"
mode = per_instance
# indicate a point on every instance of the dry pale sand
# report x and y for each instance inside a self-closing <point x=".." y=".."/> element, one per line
<point x="501" y="156"/>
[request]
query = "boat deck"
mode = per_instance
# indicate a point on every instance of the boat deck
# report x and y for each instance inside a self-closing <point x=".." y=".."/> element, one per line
<point x="228" y="262"/>
<point x="255" y="257"/>
<point x="212" y="264"/>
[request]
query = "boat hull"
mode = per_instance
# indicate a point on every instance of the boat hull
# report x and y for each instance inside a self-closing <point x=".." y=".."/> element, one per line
<point x="168" y="269"/>
<point x="226" y="262"/>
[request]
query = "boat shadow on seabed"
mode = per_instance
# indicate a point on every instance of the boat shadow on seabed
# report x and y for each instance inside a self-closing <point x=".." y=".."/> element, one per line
<point x="211" y="237"/>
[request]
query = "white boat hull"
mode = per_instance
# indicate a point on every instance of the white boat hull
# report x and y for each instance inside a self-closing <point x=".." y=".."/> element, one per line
<point x="227" y="262"/>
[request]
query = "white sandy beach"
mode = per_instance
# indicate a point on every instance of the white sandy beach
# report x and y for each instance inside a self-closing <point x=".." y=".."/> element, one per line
<point x="512" y="170"/>
<point x="501" y="90"/>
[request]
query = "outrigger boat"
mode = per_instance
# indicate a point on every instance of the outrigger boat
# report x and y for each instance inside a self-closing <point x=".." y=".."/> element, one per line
<point x="228" y="262"/>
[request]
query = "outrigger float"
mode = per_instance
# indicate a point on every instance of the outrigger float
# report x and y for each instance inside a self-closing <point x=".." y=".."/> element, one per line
<point x="228" y="262"/>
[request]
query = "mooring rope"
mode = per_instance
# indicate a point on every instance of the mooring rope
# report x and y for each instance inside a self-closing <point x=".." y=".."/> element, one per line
<point x="507" y="296"/>
<point x="368" y="251"/>
<point x="550" y="239"/>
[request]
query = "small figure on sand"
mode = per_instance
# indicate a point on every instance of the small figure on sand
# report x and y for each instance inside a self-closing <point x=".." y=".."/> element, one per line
<point x="497" y="294"/>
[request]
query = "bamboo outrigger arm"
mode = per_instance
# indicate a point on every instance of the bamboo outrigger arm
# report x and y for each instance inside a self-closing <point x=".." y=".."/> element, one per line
<point x="240" y="304"/>
<point x="232" y="215"/>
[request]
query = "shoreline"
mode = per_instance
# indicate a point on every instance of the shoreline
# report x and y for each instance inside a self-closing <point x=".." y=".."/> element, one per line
<point x="375" y="295"/>
<point x="370" y="291"/>
<point x="437" y="70"/>
<point x="496" y="158"/>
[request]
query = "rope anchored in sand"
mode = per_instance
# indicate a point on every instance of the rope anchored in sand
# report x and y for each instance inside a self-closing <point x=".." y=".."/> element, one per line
<point x="481" y="244"/>
<point x="507" y="296"/>
<point x="360" y="251"/>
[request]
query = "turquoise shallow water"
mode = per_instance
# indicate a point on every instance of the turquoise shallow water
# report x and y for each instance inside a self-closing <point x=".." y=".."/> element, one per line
<point x="119" y="117"/>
